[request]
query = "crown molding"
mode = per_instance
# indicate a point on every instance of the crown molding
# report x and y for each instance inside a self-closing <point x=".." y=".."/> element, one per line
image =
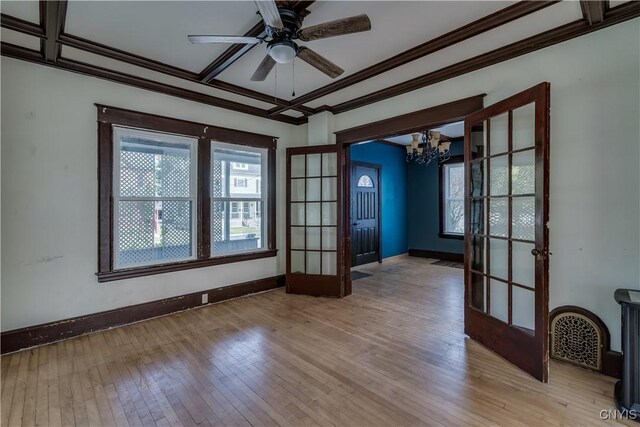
<point x="30" y="55"/>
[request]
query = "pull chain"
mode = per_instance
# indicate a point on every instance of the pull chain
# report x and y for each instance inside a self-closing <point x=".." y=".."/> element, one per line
<point x="293" y="84"/>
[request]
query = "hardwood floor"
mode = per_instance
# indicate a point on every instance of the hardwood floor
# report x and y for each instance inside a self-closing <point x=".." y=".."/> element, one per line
<point x="393" y="353"/>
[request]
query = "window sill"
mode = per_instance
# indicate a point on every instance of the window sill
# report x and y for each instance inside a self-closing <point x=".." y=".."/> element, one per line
<point x="109" y="276"/>
<point x="451" y="236"/>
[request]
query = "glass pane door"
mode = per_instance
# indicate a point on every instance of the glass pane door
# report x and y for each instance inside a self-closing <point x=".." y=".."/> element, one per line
<point x="313" y="244"/>
<point x="507" y="239"/>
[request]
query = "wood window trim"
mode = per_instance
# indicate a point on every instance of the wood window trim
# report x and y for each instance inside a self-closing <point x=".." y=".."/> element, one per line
<point x="441" y="180"/>
<point x="108" y="117"/>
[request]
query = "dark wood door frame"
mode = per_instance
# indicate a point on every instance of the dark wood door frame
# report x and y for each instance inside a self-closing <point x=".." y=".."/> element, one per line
<point x="378" y="169"/>
<point x="412" y="122"/>
<point x="398" y="125"/>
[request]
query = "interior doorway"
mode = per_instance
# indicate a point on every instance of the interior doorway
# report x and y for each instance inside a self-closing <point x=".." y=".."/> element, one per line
<point x="505" y="198"/>
<point x="366" y="213"/>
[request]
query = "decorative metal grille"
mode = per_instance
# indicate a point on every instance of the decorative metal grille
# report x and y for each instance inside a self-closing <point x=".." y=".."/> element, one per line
<point x="577" y="339"/>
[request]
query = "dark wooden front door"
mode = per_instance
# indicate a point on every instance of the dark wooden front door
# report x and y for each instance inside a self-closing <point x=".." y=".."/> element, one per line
<point x="315" y="221"/>
<point x="365" y="213"/>
<point x="506" y="234"/>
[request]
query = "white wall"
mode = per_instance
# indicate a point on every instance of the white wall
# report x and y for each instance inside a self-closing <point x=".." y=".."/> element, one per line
<point x="49" y="195"/>
<point x="595" y="153"/>
<point x="49" y="184"/>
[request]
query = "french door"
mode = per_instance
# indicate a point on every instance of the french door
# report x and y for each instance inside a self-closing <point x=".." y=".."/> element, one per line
<point x="315" y="249"/>
<point x="506" y="234"/>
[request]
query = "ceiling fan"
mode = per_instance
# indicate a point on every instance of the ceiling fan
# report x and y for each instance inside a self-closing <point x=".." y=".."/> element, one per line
<point x="282" y="27"/>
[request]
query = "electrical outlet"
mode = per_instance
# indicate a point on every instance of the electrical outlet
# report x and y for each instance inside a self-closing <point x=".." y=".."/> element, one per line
<point x="205" y="298"/>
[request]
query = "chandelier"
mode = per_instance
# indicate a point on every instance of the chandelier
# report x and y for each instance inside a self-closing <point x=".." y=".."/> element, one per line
<point x="431" y="148"/>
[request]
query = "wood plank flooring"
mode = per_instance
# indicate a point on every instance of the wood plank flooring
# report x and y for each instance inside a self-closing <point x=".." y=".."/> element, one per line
<point x="393" y="353"/>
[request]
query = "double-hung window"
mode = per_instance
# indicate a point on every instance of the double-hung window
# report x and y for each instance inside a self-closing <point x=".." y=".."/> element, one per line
<point x="243" y="229"/>
<point x="154" y="197"/>
<point x="175" y="195"/>
<point x="452" y="199"/>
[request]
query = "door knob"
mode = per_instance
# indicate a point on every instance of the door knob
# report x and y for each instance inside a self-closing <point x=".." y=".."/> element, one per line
<point x="354" y="224"/>
<point x="540" y="254"/>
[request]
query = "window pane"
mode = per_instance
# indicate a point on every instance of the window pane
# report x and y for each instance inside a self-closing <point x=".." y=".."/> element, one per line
<point x="365" y="181"/>
<point x="235" y="232"/>
<point x="153" y="232"/>
<point x="157" y="166"/>
<point x="236" y="172"/>
<point x="454" y="198"/>
<point x="455" y="216"/>
<point x="456" y="180"/>
<point x="153" y="164"/>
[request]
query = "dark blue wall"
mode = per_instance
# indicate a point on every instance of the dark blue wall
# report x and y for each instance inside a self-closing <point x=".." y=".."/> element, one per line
<point x="423" y="207"/>
<point x="394" y="192"/>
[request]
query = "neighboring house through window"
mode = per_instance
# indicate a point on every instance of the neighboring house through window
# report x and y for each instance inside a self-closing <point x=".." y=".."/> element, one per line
<point x="244" y="230"/>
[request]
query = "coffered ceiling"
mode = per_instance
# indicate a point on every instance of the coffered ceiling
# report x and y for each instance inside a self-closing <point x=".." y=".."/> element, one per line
<point x="410" y="45"/>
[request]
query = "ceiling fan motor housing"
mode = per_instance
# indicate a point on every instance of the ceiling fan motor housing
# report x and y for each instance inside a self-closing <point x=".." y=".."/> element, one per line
<point x="291" y="22"/>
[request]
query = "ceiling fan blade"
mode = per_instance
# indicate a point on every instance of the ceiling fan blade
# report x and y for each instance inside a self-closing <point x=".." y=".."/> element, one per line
<point x="263" y="69"/>
<point x="270" y="14"/>
<point x="224" y="39"/>
<point x="339" y="27"/>
<point x="320" y="62"/>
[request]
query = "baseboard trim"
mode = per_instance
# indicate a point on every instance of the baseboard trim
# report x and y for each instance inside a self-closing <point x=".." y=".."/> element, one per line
<point x="444" y="256"/>
<point x="393" y="257"/>
<point x="19" y="339"/>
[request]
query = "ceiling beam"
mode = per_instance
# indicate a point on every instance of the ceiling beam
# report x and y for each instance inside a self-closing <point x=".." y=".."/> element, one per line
<point x="150" y="64"/>
<point x="21" y="26"/>
<point x="231" y="55"/>
<point x="18" y="52"/>
<point x="501" y="17"/>
<point x="593" y="10"/>
<point x="236" y="51"/>
<point x="55" y="13"/>
<point x="624" y="12"/>
<point x="25" y="27"/>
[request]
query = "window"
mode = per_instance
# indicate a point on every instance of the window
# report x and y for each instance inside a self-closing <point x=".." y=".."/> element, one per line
<point x="452" y="198"/>
<point x="243" y="230"/>
<point x="239" y="166"/>
<point x="172" y="197"/>
<point x="365" y="181"/>
<point x="154" y="197"/>
<point x="240" y="182"/>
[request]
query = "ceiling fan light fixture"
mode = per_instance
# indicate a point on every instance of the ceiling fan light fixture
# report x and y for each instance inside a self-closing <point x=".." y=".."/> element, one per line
<point x="282" y="51"/>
